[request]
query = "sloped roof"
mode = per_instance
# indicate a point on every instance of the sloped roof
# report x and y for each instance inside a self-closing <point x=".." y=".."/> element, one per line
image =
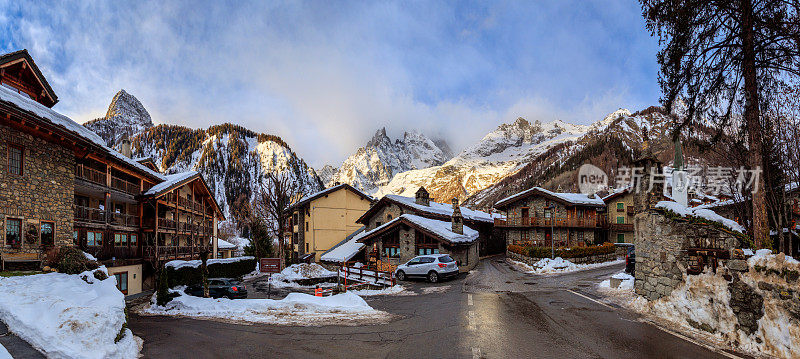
<point x="441" y="230"/>
<point x="23" y="54"/>
<point x="179" y="179"/>
<point x="329" y="190"/>
<point x="617" y="193"/>
<point x="573" y="199"/>
<point x="346" y="249"/>
<point x="441" y="210"/>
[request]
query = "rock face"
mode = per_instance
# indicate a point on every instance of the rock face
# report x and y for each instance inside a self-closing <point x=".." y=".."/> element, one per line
<point x="126" y="117"/>
<point x="376" y="163"/>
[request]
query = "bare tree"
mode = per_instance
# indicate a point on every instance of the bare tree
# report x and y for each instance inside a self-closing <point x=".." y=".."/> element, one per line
<point x="272" y="201"/>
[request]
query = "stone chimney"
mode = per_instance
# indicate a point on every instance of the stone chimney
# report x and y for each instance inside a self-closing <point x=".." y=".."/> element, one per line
<point x="125" y="148"/>
<point x="457" y="219"/>
<point x="422" y="197"/>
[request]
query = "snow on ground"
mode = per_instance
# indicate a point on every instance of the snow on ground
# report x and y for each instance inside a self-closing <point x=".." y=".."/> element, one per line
<point x="626" y="281"/>
<point x="295" y="309"/>
<point x="558" y="265"/>
<point x="289" y="276"/>
<point x="177" y="264"/>
<point x="65" y="317"/>
<point x="431" y="290"/>
<point x="703" y="213"/>
<point x="4" y="354"/>
<point x="393" y="290"/>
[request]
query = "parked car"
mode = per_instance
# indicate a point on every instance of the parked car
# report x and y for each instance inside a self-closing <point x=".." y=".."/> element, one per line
<point x="432" y="267"/>
<point x="630" y="261"/>
<point x="220" y="288"/>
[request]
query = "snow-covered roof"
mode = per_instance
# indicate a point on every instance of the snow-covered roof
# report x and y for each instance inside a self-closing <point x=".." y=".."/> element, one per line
<point x="616" y="192"/>
<point x="441" y="229"/>
<point x="177" y="264"/>
<point x="346" y="249"/>
<point x="444" y="209"/>
<point x="223" y="244"/>
<point x="26" y="104"/>
<point x="577" y="199"/>
<point x="169" y="181"/>
<point x="699" y="212"/>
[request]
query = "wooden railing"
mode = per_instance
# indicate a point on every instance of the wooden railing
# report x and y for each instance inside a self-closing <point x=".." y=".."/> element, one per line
<point x="123" y="219"/>
<point x="184" y="202"/>
<point x="170" y="197"/>
<point x="82" y="213"/>
<point x="166" y="223"/>
<point x="90" y="174"/>
<point x="198" y="207"/>
<point x="623" y="227"/>
<point x="172" y="252"/>
<point x="598" y="222"/>
<point x="124" y="186"/>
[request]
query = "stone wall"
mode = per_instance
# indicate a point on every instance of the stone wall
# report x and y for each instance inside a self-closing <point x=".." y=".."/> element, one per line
<point x="661" y="243"/>
<point x="44" y="191"/>
<point x="583" y="260"/>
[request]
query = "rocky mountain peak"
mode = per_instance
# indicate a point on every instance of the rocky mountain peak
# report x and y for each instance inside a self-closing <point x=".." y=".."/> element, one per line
<point x="126" y="116"/>
<point x="379" y="138"/>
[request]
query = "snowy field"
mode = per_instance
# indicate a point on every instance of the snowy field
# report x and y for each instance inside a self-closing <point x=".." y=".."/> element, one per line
<point x="66" y="317"/>
<point x="703" y="301"/>
<point x="295" y="309"/>
<point x="557" y="265"/>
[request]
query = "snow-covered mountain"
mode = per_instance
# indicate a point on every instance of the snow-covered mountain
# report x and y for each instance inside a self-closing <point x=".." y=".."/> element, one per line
<point x="375" y="164"/>
<point x="497" y="155"/>
<point x="232" y="159"/>
<point x="126" y="117"/>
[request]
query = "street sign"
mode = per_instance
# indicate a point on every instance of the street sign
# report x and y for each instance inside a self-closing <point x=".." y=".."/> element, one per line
<point x="270" y="265"/>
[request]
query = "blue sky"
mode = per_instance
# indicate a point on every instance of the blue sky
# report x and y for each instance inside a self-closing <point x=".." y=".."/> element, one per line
<point x="326" y="75"/>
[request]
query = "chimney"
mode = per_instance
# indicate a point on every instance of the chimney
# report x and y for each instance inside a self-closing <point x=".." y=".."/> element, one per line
<point x="125" y="148"/>
<point x="422" y="197"/>
<point x="457" y="218"/>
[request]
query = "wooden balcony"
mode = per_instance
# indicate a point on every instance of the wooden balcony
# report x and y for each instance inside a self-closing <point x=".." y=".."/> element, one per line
<point x="114" y="252"/>
<point x="90" y="174"/>
<point x="166" y="223"/>
<point x="622" y="227"/>
<point x="172" y="252"/>
<point x="87" y="214"/>
<point x="184" y="202"/>
<point x="598" y="222"/>
<point x="125" y="186"/>
<point x="123" y="219"/>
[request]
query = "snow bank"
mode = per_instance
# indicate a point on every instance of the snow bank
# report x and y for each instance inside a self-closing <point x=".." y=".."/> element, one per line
<point x="703" y="213"/>
<point x="4" y="354"/>
<point x="295" y="309"/>
<point x="625" y="284"/>
<point x="65" y="317"/>
<point x="393" y="290"/>
<point x="303" y="271"/>
<point x="177" y="264"/>
<point x="558" y="265"/>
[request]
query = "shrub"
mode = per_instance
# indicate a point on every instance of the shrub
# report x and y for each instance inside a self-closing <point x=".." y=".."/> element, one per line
<point x="193" y="275"/>
<point x="162" y="294"/>
<point x="518" y="249"/>
<point x="72" y="261"/>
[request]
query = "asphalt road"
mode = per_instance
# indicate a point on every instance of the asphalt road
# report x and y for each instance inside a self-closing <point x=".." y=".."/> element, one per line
<point x="495" y="312"/>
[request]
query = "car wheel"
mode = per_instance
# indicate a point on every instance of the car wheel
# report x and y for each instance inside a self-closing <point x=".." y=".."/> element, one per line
<point x="433" y="277"/>
<point x="401" y="275"/>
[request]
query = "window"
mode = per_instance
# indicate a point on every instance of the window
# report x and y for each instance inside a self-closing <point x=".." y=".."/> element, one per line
<point x="446" y="259"/>
<point x="94" y="238"/>
<point x="15" y="159"/>
<point x="425" y="244"/>
<point x="620" y="206"/>
<point x="75" y="237"/>
<point x="620" y="220"/>
<point x="391" y="245"/>
<point x="118" y="239"/>
<point x="13" y="228"/>
<point x="133" y="239"/>
<point x="122" y="281"/>
<point x="620" y="237"/>
<point x="306" y="247"/>
<point x="426" y="260"/>
<point x="388" y="217"/>
<point x="47" y="234"/>
<point x="525" y="237"/>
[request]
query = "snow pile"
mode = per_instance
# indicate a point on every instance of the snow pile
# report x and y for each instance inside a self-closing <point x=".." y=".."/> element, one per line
<point x="393" y="290"/>
<point x="177" y="264"/>
<point x="295" y="309"/>
<point x="303" y="271"/>
<point x="65" y="317"/>
<point x="703" y="213"/>
<point x="558" y="265"/>
<point x="626" y="282"/>
<point x="4" y="354"/>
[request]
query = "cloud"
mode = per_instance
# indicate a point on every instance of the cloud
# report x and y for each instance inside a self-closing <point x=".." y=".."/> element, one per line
<point x="325" y="76"/>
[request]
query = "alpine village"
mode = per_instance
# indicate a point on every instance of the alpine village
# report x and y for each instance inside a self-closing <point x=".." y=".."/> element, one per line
<point x="641" y="234"/>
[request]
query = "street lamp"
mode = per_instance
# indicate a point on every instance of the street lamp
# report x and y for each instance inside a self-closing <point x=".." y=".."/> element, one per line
<point x="552" y="209"/>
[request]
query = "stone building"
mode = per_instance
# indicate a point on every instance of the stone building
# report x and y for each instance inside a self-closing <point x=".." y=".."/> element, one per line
<point x="535" y="216"/>
<point x="321" y="220"/>
<point x="63" y="186"/>
<point x="426" y="227"/>
<point x="619" y="211"/>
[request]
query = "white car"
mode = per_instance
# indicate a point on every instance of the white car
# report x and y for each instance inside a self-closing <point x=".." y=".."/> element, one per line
<point x="432" y="267"/>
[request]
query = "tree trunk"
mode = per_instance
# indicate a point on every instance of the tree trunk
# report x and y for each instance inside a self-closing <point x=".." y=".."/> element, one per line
<point x="753" y="124"/>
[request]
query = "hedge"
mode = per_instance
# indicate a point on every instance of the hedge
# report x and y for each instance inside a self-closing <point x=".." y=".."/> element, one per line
<point x="191" y="275"/>
<point x="574" y="252"/>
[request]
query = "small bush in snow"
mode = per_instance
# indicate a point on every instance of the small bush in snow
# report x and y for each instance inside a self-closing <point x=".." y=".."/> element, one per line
<point x="189" y="275"/>
<point x="71" y="260"/>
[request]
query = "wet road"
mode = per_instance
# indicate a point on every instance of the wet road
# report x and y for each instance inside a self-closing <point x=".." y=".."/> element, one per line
<point x="495" y="312"/>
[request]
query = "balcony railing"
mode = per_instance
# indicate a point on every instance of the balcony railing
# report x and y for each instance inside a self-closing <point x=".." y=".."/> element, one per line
<point x="124" y="186"/>
<point x="166" y="223"/>
<point x="198" y="207"/>
<point x="184" y="202"/>
<point x="123" y="219"/>
<point x="90" y="174"/>
<point x="171" y="252"/>
<point x="170" y="197"/>
<point x="88" y="214"/>
<point x="622" y="227"/>
<point x="598" y="222"/>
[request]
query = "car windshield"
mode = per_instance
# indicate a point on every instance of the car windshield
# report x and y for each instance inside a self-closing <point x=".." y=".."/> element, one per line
<point x="446" y="259"/>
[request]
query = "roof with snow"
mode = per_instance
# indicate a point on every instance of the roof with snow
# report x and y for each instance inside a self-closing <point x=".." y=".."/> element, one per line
<point x="179" y="179"/>
<point x="223" y="244"/>
<point x="441" y="230"/>
<point x="346" y="249"/>
<point x="65" y="124"/>
<point x="617" y="193"/>
<point x="15" y="57"/>
<point x="327" y="191"/>
<point x="572" y="199"/>
<point x="435" y="209"/>
<point x="699" y="212"/>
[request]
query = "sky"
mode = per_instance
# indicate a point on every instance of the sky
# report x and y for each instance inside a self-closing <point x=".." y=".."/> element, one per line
<point x="325" y="75"/>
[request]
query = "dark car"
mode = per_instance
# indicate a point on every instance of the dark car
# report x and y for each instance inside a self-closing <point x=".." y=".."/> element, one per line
<point x="630" y="261"/>
<point x="220" y="288"/>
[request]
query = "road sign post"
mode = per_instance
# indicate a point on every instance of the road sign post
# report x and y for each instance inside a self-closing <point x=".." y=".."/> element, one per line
<point x="271" y="266"/>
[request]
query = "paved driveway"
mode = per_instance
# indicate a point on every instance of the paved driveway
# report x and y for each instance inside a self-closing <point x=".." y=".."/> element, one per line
<point x="495" y="312"/>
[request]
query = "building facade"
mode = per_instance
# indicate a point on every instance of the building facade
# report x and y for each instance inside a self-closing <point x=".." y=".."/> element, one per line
<point x="619" y="211"/>
<point x="62" y="186"/>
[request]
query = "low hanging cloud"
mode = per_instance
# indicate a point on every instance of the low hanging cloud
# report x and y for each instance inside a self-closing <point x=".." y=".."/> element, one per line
<point x="325" y="76"/>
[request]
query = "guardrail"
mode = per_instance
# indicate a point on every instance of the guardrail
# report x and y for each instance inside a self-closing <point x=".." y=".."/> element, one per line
<point x="366" y="276"/>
